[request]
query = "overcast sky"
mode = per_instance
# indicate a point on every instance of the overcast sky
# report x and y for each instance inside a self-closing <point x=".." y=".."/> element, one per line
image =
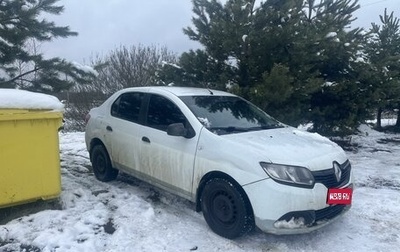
<point x="104" y="25"/>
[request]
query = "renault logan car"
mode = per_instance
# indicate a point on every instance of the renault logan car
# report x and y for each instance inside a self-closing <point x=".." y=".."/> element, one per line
<point x="241" y="167"/>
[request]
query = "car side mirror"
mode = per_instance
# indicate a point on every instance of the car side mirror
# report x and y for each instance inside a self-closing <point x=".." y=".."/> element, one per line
<point x="178" y="129"/>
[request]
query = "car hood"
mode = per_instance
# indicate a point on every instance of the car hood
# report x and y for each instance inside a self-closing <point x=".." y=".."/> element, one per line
<point x="290" y="146"/>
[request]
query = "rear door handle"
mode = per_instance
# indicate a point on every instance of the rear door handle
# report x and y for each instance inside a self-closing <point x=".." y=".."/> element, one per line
<point x="146" y="139"/>
<point x="108" y="128"/>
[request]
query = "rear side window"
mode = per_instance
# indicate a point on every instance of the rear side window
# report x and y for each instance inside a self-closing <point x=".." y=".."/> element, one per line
<point x="162" y="112"/>
<point x="127" y="106"/>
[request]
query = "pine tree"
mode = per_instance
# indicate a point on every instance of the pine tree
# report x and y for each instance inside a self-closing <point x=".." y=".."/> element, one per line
<point x="222" y="30"/>
<point x="383" y="54"/>
<point x="283" y="41"/>
<point x="296" y="59"/>
<point x="194" y="69"/>
<point x="20" y="24"/>
<point x="338" y="105"/>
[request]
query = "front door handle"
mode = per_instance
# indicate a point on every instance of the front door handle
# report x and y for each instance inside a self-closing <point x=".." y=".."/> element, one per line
<point x="145" y="139"/>
<point x="108" y="128"/>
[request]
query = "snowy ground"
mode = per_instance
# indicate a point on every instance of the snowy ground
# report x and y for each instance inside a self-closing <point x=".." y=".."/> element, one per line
<point x="129" y="215"/>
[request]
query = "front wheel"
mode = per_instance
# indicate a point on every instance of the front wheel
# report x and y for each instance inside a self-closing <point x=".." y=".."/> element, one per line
<point x="101" y="163"/>
<point x="226" y="209"/>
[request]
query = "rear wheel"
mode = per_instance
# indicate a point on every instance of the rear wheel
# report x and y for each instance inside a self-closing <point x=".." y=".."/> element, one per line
<point x="101" y="163"/>
<point x="226" y="209"/>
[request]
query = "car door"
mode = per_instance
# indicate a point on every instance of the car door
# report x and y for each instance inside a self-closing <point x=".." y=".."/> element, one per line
<point x="123" y="130"/>
<point x="168" y="160"/>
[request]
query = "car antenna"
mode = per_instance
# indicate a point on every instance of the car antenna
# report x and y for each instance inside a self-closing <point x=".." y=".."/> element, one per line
<point x="211" y="92"/>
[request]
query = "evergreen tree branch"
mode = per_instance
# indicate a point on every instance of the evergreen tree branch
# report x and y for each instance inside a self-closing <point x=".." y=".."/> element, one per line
<point x="23" y="74"/>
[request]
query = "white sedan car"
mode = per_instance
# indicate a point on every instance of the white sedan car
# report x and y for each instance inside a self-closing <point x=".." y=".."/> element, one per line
<point x="240" y="166"/>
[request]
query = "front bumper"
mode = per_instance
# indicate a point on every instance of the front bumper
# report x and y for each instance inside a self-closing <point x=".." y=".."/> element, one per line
<point x="299" y="225"/>
<point x="282" y="209"/>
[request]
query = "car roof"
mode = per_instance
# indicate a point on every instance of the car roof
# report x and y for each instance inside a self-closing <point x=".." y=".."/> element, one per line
<point x="179" y="91"/>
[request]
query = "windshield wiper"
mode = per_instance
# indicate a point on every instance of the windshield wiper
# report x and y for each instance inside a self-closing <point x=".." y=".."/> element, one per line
<point x="265" y="127"/>
<point x="233" y="129"/>
<point x="230" y="129"/>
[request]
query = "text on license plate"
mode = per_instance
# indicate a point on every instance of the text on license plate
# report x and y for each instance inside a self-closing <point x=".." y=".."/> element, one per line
<point x="339" y="196"/>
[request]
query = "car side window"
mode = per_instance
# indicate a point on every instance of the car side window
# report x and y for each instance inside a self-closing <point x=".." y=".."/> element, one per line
<point x="127" y="106"/>
<point x="163" y="112"/>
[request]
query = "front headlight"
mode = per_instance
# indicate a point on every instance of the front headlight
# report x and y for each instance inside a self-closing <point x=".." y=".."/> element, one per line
<point x="289" y="175"/>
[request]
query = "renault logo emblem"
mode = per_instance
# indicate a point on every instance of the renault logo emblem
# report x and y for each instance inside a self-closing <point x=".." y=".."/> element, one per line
<point x="337" y="170"/>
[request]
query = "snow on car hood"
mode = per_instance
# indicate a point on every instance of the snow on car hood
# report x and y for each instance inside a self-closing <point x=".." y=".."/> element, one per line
<point x="291" y="146"/>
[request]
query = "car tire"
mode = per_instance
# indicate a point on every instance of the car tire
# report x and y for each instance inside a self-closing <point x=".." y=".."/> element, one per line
<point x="226" y="209"/>
<point x="101" y="164"/>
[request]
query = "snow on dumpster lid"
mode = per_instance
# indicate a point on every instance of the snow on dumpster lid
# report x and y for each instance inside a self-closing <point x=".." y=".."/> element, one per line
<point x="20" y="99"/>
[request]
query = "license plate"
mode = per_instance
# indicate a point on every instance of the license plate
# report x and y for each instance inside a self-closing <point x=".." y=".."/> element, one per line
<point x="339" y="196"/>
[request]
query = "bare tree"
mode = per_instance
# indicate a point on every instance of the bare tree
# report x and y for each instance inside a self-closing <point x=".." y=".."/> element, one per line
<point x="130" y="67"/>
<point x="121" y="68"/>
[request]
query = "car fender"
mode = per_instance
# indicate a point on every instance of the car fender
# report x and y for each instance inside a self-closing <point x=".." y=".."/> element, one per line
<point x="216" y="154"/>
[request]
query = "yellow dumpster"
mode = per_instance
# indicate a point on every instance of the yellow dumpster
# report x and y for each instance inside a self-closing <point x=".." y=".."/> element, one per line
<point x="29" y="147"/>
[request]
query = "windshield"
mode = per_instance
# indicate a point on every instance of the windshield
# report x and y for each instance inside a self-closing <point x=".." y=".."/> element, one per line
<point x="229" y="114"/>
